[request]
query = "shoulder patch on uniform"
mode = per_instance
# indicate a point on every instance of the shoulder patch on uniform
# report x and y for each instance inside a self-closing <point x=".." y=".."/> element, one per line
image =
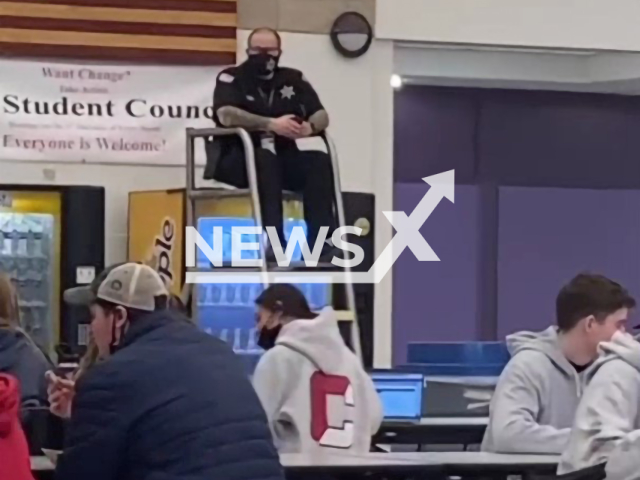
<point x="226" y="78"/>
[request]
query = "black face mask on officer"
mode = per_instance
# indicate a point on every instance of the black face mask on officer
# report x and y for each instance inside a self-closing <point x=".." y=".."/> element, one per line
<point x="262" y="64"/>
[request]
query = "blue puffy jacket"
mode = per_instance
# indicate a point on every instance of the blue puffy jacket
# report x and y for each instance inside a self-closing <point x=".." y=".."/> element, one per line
<point x="173" y="403"/>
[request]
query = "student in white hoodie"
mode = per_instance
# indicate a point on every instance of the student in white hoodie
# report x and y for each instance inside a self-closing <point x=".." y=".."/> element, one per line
<point x="607" y="421"/>
<point x="315" y="392"/>
<point x="534" y="404"/>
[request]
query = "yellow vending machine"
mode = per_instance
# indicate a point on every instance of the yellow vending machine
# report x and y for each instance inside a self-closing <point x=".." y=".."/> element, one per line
<point x="49" y="235"/>
<point x="156" y="233"/>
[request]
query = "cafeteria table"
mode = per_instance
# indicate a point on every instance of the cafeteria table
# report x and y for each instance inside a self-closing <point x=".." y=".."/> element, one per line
<point x="395" y="465"/>
<point x="329" y="466"/>
<point x="433" y="431"/>
<point x="336" y="466"/>
<point x="483" y="464"/>
<point x="432" y="464"/>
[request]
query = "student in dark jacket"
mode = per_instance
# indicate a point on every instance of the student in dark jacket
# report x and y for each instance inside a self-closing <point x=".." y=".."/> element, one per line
<point x="167" y="401"/>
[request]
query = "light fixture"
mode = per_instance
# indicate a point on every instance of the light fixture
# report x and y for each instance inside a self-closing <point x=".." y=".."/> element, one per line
<point x="351" y="34"/>
<point x="396" y="81"/>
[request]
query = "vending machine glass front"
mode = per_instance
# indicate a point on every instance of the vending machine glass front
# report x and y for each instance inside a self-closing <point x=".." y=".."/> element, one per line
<point x="30" y="255"/>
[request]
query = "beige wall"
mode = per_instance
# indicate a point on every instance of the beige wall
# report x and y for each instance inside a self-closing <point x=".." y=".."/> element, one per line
<point x="302" y="16"/>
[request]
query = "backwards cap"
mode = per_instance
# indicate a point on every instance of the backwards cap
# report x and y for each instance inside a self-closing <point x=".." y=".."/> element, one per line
<point x="128" y="284"/>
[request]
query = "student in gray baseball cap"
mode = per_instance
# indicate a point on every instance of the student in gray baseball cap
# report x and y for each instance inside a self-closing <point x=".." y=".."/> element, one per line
<point x="116" y="297"/>
<point x="167" y="400"/>
<point x="61" y="390"/>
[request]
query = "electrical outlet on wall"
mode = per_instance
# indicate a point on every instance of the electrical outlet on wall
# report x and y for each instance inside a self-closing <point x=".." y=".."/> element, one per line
<point x="85" y="275"/>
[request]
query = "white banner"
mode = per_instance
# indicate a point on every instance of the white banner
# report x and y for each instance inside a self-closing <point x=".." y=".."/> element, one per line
<point x="101" y="113"/>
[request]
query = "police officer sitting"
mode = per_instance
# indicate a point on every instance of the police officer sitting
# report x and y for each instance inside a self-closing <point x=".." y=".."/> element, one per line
<point x="286" y="119"/>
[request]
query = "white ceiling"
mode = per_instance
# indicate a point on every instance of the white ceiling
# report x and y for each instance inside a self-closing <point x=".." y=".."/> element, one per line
<point x="579" y="71"/>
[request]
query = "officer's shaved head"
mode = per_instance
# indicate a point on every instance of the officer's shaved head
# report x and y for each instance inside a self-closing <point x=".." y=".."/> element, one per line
<point x="264" y="37"/>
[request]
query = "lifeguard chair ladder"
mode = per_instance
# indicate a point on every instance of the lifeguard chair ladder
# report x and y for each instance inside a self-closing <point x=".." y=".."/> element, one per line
<point x="193" y="194"/>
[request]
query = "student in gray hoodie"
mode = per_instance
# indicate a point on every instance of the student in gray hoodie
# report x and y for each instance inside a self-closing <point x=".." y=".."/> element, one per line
<point x="624" y="461"/>
<point x="315" y="392"/>
<point x="608" y="417"/>
<point x="535" y="401"/>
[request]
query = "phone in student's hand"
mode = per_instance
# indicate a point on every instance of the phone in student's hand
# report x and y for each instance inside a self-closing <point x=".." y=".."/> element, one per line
<point x="65" y="370"/>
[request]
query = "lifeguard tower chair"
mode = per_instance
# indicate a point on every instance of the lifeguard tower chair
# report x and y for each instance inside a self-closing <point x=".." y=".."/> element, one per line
<point x="340" y="296"/>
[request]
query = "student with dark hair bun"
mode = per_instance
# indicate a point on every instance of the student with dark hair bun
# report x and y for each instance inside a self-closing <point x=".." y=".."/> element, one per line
<point x="306" y="362"/>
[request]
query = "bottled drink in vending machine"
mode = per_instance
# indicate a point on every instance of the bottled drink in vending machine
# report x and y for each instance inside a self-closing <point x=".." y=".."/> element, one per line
<point x="208" y="298"/>
<point x="252" y="346"/>
<point x="223" y="334"/>
<point x="230" y="293"/>
<point x="237" y="346"/>
<point x="245" y="294"/>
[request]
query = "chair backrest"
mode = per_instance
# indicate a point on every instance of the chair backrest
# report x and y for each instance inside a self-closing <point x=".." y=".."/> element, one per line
<point x="597" y="472"/>
<point x="42" y="428"/>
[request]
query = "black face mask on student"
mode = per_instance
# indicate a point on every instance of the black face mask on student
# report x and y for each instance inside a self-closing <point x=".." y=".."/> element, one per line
<point x="262" y="64"/>
<point x="268" y="336"/>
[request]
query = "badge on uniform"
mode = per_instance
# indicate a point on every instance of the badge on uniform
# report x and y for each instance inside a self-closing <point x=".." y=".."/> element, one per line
<point x="287" y="92"/>
<point x="267" y="142"/>
<point x="226" y="78"/>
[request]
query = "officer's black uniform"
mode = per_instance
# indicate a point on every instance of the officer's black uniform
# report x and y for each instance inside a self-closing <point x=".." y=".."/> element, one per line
<point x="307" y="172"/>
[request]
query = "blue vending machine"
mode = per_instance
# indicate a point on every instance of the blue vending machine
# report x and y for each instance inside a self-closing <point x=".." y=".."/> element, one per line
<point x="228" y="310"/>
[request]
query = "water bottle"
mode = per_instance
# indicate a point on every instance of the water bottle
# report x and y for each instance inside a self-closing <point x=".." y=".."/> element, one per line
<point x="252" y="346"/>
<point x="245" y="294"/>
<point x="236" y="340"/>
<point x="208" y="299"/>
<point x="231" y="293"/>
<point x="223" y="334"/>
<point x="216" y="294"/>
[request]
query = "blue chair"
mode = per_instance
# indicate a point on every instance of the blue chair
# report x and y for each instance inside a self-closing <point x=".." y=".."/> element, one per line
<point x="468" y="353"/>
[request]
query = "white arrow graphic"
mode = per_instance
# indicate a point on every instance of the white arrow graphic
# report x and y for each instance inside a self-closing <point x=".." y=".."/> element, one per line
<point x="407" y="235"/>
<point x="408" y="227"/>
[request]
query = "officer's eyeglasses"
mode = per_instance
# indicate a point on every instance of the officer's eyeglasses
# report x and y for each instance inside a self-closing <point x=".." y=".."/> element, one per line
<point x="274" y="52"/>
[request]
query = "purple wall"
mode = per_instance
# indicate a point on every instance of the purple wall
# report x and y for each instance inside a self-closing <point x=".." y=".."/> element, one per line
<point x="520" y="138"/>
<point x="548" y="235"/>
<point x="547" y="185"/>
<point x="437" y="300"/>
<point x="433" y="132"/>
